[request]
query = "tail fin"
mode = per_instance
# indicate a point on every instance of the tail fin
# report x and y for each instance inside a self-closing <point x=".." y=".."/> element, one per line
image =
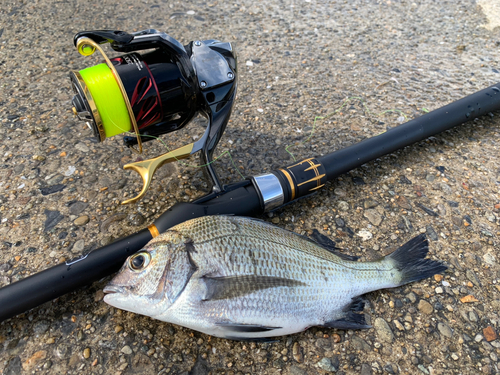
<point x="410" y="260"/>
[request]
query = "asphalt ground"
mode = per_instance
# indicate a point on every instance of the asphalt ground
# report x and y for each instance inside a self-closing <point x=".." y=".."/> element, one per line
<point x="367" y="65"/>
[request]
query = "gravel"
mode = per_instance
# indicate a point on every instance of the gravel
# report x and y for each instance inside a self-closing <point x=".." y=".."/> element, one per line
<point x="60" y="192"/>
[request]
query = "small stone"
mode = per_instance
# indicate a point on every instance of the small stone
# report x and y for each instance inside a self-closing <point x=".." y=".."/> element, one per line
<point x="343" y="206"/>
<point x="370" y="203"/>
<point x="489" y="259"/>
<point x="297" y="352"/>
<point x="136" y="219"/>
<point x="118" y="329"/>
<point x="383" y="330"/>
<point x="423" y="369"/>
<point x="469" y="299"/>
<point x="373" y="217"/>
<point x="472" y="277"/>
<point x="34" y="360"/>
<point x="398" y="325"/>
<point x="359" y="344"/>
<point x="431" y="233"/>
<point x="126" y="350"/>
<point x="439" y="290"/>
<point x="489" y="334"/>
<point x="52" y="219"/>
<point x="327" y="365"/>
<point x="340" y="192"/>
<point x="402" y="202"/>
<point x="86" y="353"/>
<point x="454" y="356"/>
<point x="365" y="235"/>
<point x="336" y="338"/>
<point x="77" y="208"/>
<point x="425" y="307"/>
<point x="473" y="316"/>
<point x="366" y="369"/>
<point x="445" y="329"/>
<point x="438" y="278"/>
<point x="412" y="297"/>
<point x="99" y="295"/>
<point x="52" y="189"/>
<point x="78" y="247"/>
<point x="82" y="220"/>
<point x="82" y="147"/>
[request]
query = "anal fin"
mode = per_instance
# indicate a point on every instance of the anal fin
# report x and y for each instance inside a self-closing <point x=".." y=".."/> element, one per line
<point x="353" y="318"/>
<point x="253" y="339"/>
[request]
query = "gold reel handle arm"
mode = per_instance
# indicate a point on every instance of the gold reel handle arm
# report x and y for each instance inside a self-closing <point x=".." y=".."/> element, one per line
<point x="147" y="168"/>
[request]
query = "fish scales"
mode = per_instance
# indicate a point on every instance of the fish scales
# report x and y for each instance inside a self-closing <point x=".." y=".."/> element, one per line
<point x="244" y="278"/>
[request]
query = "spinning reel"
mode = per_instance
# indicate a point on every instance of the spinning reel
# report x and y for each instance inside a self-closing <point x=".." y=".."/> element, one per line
<point x="155" y="92"/>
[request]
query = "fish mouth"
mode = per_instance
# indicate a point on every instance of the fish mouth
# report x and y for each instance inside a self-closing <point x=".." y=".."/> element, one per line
<point x="111" y="289"/>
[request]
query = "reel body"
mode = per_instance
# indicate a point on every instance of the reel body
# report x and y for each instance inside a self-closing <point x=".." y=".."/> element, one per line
<point x="155" y="93"/>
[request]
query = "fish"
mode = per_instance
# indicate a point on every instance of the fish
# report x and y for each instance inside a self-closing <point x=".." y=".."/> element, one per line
<point x="245" y="279"/>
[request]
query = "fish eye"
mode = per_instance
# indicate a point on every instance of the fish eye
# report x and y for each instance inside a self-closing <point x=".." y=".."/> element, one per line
<point x="139" y="261"/>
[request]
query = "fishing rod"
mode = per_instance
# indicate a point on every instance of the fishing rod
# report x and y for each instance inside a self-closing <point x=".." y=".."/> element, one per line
<point x="159" y="92"/>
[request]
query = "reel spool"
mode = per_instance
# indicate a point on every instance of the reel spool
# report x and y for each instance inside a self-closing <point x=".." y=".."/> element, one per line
<point x="155" y="93"/>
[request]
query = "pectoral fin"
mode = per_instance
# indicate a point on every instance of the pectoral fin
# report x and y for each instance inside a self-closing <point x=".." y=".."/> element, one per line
<point x="239" y="327"/>
<point x="237" y="286"/>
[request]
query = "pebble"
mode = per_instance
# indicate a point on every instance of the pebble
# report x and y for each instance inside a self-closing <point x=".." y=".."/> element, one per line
<point x="359" y="344"/>
<point x="473" y="316"/>
<point x="373" y="217"/>
<point x="384" y="332"/>
<point x="82" y="220"/>
<point x="52" y="219"/>
<point x="412" y="297"/>
<point x="489" y="334"/>
<point x="472" y="278"/>
<point x="445" y="329"/>
<point x="489" y="259"/>
<point x="34" y="360"/>
<point x="327" y="365"/>
<point x="126" y="350"/>
<point x="398" y="325"/>
<point x="431" y="233"/>
<point x="86" y="353"/>
<point x="136" y="219"/>
<point x="52" y="189"/>
<point x="439" y="290"/>
<point x="343" y="206"/>
<point x="77" y="208"/>
<point x="365" y="235"/>
<point x="82" y="147"/>
<point x="340" y="192"/>
<point x="366" y="369"/>
<point x="118" y="329"/>
<point x="297" y="352"/>
<point x="425" y="307"/>
<point x="78" y="247"/>
<point x="370" y="203"/>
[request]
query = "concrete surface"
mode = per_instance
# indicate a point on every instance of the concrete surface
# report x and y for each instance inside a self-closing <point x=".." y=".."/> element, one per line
<point x="297" y="60"/>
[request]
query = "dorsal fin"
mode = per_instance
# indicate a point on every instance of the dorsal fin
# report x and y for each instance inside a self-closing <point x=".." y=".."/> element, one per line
<point x="327" y="244"/>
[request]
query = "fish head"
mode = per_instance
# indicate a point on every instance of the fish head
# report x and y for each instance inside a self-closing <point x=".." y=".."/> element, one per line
<point x="151" y="280"/>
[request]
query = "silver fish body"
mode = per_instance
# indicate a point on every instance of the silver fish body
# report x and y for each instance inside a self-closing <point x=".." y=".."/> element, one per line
<point x="242" y="278"/>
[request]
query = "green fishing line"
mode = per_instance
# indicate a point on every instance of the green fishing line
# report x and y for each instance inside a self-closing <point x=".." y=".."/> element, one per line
<point x="316" y="118"/>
